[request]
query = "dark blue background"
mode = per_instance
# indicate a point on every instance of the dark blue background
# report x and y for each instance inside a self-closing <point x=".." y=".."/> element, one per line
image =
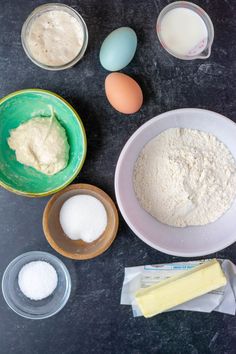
<point x="93" y="321"/>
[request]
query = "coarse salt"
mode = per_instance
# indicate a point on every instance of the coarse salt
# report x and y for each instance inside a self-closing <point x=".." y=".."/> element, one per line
<point x="37" y="280"/>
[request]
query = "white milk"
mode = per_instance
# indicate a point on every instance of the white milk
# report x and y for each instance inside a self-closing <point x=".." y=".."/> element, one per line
<point x="183" y="32"/>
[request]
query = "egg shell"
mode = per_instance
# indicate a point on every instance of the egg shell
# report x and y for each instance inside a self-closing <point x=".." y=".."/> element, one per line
<point x="123" y="93"/>
<point x="118" y="49"/>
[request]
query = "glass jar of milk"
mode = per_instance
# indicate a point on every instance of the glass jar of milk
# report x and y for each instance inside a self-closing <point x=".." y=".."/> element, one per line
<point x="185" y="31"/>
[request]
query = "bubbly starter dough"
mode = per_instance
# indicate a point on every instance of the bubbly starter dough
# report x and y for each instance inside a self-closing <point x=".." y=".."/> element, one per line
<point x="55" y="38"/>
<point x="41" y="143"/>
<point x="185" y="177"/>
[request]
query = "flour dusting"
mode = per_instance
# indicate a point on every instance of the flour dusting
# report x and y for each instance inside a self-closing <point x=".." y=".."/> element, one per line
<point x="185" y="177"/>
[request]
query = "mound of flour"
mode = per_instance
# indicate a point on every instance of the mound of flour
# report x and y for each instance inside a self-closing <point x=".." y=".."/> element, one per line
<point x="185" y="177"/>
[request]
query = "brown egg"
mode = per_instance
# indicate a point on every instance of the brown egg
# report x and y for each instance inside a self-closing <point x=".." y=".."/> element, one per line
<point x="123" y="93"/>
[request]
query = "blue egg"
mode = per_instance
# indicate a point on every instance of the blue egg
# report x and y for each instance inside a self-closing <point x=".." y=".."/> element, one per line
<point x="118" y="49"/>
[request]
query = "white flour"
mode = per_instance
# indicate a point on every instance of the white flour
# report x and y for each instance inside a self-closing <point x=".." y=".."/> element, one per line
<point x="185" y="177"/>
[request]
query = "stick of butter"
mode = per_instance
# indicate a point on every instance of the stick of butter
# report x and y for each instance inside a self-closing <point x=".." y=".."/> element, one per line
<point x="180" y="288"/>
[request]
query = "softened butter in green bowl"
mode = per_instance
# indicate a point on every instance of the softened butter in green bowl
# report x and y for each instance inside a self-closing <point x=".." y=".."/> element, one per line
<point x="19" y="107"/>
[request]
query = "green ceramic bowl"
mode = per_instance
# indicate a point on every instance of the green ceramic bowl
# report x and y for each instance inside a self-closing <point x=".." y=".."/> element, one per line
<point x="19" y="107"/>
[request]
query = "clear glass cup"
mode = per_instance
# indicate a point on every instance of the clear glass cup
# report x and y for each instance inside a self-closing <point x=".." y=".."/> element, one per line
<point x="210" y="29"/>
<point x="26" y="307"/>
<point x="39" y="11"/>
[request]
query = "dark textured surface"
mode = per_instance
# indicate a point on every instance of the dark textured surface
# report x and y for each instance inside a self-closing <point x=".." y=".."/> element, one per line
<point x="93" y="320"/>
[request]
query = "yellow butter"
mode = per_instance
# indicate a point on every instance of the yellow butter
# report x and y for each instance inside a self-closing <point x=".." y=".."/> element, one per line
<point x="181" y="288"/>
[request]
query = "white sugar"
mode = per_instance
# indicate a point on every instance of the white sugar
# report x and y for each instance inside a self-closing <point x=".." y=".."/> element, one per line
<point x="83" y="217"/>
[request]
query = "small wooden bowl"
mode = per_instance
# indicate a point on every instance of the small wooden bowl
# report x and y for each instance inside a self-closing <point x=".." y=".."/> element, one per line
<point x="78" y="249"/>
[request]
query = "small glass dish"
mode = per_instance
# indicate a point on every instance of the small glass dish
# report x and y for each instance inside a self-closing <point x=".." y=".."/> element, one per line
<point x="26" y="307"/>
<point x="204" y="16"/>
<point x="39" y="11"/>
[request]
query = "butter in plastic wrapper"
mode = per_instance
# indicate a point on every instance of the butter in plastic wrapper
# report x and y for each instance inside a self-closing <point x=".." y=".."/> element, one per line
<point x="221" y="300"/>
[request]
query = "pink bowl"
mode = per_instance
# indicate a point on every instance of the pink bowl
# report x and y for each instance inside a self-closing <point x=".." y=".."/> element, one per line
<point x="191" y="241"/>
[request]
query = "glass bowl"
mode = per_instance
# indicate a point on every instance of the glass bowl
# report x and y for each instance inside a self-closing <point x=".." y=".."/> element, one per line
<point x="204" y="16"/>
<point x="26" y="307"/>
<point x="39" y="11"/>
